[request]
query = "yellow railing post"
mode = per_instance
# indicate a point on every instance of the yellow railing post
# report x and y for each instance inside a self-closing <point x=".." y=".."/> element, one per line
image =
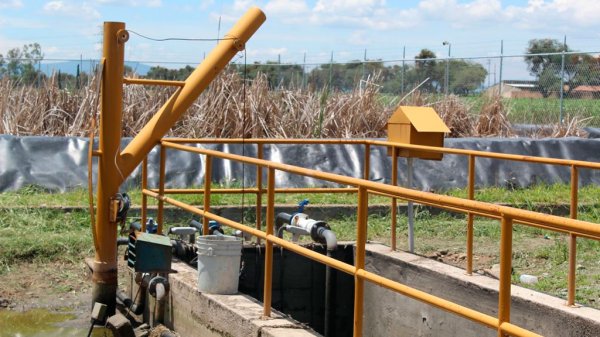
<point x="268" y="244"/>
<point x="506" y="228"/>
<point x="361" y="241"/>
<point x="104" y="268"/>
<point x="470" y="196"/>
<point x="144" y="197"/>
<point x="207" y="183"/>
<point x="394" y="210"/>
<point x="573" y="237"/>
<point x="259" y="155"/>
<point x="161" y="189"/>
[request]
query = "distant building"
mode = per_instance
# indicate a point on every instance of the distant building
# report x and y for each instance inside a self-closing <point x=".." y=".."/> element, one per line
<point x="586" y="91"/>
<point x="516" y="89"/>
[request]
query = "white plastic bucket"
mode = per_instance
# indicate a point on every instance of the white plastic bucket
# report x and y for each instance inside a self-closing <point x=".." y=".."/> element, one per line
<point x="219" y="264"/>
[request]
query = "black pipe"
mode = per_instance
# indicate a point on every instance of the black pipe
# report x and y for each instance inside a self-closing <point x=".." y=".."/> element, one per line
<point x="329" y="294"/>
<point x="136" y="308"/>
<point x="122" y="241"/>
<point x="197" y="225"/>
<point x="283" y="218"/>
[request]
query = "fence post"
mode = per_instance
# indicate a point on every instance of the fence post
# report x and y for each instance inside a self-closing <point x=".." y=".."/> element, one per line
<point x="304" y="71"/>
<point x="363" y="65"/>
<point x="330" y="71"/>
<point x="562" y="79"/>
<point x="501" y="62"/>
<point x="403" y="70"/>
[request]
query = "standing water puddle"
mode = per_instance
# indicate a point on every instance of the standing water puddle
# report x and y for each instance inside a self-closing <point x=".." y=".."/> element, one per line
<point x="43" y="323"/>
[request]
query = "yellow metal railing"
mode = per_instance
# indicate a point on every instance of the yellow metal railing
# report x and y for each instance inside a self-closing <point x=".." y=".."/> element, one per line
<point x="472" y="155"/>
<point x="507" y="215"/>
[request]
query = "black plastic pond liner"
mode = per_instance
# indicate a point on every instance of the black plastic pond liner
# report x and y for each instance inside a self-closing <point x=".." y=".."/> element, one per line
<point x="60" y="164"/>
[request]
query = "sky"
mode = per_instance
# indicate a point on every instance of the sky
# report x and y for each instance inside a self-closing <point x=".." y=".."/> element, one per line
<point x="298" y="30"/>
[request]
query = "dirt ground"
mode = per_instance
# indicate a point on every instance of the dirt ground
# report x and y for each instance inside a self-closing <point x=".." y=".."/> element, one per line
<point x="55" y="286"/>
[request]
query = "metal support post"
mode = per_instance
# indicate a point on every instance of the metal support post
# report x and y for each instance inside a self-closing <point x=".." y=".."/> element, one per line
<point x="207" y="183"/>
<point x="410" y="207"/>
<point x="144" y="196"/>
<point x="161" y="189"/>
<point x="367" y="168"/>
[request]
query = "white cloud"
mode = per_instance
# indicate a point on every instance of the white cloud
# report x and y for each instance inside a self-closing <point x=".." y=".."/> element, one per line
<point x="348" y="7"/>
<point x="267" y="53"/>
<point x="132" y="3"/>
<point x="241" y="5"/>
<point x="358" y="38"/>
<point x="286" y="7"/>
<point x="461" y="14"/>
<point x="11" y="4"/>
<point x="540" y="13"/>
<point x="68" y="9"/>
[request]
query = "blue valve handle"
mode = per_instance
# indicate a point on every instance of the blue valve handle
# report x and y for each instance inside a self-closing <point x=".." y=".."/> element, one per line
<point x="302" y="204"/>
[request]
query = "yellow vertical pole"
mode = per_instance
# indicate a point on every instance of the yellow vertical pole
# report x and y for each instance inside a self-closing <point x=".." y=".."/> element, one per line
<point x="394" y="210"/>
<point x="259" y="184"/>
<point x="506" y="228"/>
<point x="161" y="189"/>
<point x="471" y="196"/>
<point x="207" y="182"/>
<point x="573" y="237"/>
<point x="268" y="244"/>
<point x="144" y="197"/>
<point x="361" y="241"/>
<point x="104" y="268"/>
<point x="367" y="168"/>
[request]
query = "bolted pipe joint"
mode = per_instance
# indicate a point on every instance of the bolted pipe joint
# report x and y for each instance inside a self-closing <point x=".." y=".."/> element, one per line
<point x="158" y="287"/>
<point x="301" y="224"/>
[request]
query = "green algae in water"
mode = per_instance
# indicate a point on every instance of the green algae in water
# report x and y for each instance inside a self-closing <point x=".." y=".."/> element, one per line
<point x="41" y="323"/>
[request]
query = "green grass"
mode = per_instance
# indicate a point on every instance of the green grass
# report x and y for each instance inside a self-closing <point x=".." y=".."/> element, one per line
<point x="544" y="110"/>
<point x="536" y="194"/>
<point x="39" y="235"/>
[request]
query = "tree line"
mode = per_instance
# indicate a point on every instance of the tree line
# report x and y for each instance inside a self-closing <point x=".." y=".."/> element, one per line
<point x="550" y="70"/>
<point x="464" y="77"/>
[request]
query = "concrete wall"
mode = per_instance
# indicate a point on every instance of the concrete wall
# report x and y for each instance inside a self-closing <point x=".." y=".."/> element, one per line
<point x="391" y="314"/>
<point x="191" y="313"/>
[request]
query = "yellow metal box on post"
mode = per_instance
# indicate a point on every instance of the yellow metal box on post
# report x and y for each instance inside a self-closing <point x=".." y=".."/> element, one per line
<point x="417" y="125"/>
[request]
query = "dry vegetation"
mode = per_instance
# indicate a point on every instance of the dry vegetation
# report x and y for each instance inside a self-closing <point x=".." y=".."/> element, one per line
<point x="229" y="110"/>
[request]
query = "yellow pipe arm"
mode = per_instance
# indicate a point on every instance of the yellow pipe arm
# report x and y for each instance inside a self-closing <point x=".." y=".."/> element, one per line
<point x="185" y="96"/>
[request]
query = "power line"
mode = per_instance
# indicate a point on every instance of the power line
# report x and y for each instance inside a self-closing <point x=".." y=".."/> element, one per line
<point x="179" y="38"/>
